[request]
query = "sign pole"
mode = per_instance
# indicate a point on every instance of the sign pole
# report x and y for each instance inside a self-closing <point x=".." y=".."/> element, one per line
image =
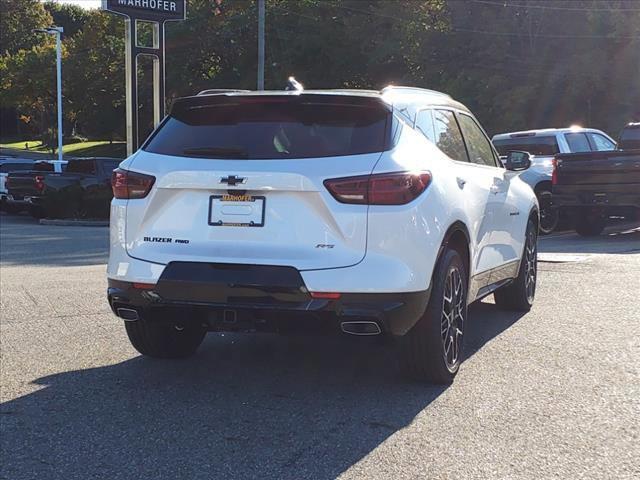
<point x="157" y="13"/>
<point x="261" y="21"/>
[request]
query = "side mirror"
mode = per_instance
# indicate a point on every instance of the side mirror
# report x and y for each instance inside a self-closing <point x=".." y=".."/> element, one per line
<point x="517" y="160"/>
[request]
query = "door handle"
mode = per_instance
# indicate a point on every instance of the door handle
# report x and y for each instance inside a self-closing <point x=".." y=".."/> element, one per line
<point x="461" y="182"/>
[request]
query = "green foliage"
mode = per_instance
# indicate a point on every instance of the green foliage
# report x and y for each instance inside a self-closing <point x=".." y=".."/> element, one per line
<point x="17" y="20"/>
<point x="527" y="64"/>
<point x="94" y="76"/>
<point x="68" y="16"/>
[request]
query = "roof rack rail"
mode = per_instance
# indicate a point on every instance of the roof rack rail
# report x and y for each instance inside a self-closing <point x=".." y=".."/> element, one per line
<point x="413" y="89"/>
<point x="216" y="91"/>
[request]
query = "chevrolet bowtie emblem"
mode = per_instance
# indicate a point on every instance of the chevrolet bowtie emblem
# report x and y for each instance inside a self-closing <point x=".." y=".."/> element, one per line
<point x="232" y="180"/>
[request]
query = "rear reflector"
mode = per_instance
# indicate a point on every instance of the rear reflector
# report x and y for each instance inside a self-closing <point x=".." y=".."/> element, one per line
<point x="380" y="189"/>
<point x="144" y="286"/>
<point x="326" y="295"/>
<point x="130" y="185"/>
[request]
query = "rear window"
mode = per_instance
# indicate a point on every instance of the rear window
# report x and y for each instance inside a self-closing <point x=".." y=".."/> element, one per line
<point x="535" y="145"/>
<point x="273" y="129"/>
<point x="82" y="166"/>
<point x="13" y="167"/>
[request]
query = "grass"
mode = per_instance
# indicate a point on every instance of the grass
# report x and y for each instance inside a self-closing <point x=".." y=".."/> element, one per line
<point x="93" y="148"/>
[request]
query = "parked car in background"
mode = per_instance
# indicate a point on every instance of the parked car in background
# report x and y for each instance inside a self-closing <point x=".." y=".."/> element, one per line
<point x="8" y="164"/>
<point x="23" y="165"/>
<point x="543" y="145"/>
<point x="363" y="212"/>
<point x="592" y="186"/>
<point x="82" y="190"/>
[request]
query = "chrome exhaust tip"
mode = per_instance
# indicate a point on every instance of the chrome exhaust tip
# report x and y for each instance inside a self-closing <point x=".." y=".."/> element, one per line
<point x="361" y="328"/>
<point x="127" y="314"/>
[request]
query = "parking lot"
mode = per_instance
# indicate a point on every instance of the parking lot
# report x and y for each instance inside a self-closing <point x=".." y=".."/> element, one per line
<point x="554" y="393"/>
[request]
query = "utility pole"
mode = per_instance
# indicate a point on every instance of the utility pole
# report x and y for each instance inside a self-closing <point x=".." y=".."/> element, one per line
<point x="261" y="19"/>
<point x="57" y="31"/>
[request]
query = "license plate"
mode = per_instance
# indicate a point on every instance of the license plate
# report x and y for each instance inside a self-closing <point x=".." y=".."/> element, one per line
<point x="236" y="211"/>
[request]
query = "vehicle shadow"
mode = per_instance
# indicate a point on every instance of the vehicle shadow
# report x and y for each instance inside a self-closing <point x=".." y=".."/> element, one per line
<point x="618" y="239"/>
<point x="25" y="242"/>
<point x="252" y="406"/>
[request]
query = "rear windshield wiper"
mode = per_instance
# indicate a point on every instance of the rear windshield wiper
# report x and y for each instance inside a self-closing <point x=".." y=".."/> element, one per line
<point x="217" y="152"/>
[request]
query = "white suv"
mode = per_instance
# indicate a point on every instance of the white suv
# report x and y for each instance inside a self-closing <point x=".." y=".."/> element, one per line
<point x="366" y="212"/>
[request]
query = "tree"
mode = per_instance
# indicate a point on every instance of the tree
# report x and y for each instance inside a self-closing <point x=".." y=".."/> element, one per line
<point x="28" y="83"/>
<point x="68" y="16"/>
<point x="17" y="20"/>
<point x="95" y="77"/>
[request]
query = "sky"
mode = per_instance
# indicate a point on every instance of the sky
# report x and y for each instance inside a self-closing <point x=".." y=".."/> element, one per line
<point x="83" y="3"/>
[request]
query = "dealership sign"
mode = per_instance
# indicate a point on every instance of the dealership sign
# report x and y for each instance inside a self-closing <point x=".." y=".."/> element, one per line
<point x="137" y="13"/>
<point x="152" y="10"/>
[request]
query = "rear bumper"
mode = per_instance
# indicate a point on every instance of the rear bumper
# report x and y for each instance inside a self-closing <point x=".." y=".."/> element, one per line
<point x="597" y="196"/>
<point x="263" y="298"/>
<point x="24" y="201"/>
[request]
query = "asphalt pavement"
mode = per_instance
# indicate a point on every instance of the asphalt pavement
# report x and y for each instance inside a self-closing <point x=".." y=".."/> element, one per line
<point x="554" y="393"/>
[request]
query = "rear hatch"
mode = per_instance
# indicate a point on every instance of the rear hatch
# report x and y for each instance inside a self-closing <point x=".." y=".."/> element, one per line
<point x="239" y="179"/>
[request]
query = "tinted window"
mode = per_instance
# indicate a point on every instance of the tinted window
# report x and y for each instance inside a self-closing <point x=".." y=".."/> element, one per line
<point x="81" y="166"/>
<point x="12" y="167"/>
<point x="577" y="142"/>
<point x="630" y="138"/>
<point x="424" y="124"/>
<point x="600" y="142"/>
<point x="447" y="135"/>
<point x="478" y="144"/>
<point x="535" y="145"/>
<point x="110" y="165"/>
<point x="43" y="167"/>
<point x="272" y="129"/>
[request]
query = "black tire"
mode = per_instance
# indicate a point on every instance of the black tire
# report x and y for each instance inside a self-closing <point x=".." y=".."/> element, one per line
<point x="12" y="209"/>
<point x="520" y="294"/>
<point x="549" y="215"/>
<point x="37" y="212"/>
<point x="424" y="354"/>
<point x="165" y="339"/>
<point x="590" y="225"/>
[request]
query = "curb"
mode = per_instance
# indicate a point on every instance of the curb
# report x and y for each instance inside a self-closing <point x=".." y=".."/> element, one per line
<point x="75" y="223"/>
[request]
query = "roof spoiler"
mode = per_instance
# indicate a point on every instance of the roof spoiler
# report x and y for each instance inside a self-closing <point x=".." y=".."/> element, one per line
<point x="219" y="91"/>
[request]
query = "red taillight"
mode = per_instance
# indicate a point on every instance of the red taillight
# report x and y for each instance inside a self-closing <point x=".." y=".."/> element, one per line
<point x="554" y="174"/>
<point x="39" y="182"/>
<point x="380" y="189"/>
<point x="126" y="184"/>
<point x="326" y="295"/>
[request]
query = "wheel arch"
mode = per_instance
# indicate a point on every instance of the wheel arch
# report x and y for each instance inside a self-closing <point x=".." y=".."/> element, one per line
<point x="457" y="237"/>
<point x="544" y="185"/>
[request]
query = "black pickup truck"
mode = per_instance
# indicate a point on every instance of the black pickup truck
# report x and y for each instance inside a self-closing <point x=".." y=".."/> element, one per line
<point x="593" y="186"/>
<point x="82" y="190"/>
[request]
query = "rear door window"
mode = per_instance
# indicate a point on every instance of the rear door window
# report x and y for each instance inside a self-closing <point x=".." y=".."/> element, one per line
<point x="600" y="142"/>
<point x="478" y="145"/>
<point x="448" y="137"/>
<point x="577" y="142"/>
<point x="543" y="145"/>
<point x="273" y="128"/>
<point x="424" y="124"/>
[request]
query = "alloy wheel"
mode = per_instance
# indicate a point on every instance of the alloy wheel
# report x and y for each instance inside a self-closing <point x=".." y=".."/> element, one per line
<point x="531" y="266"/>
<point x="453" y="313"/>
